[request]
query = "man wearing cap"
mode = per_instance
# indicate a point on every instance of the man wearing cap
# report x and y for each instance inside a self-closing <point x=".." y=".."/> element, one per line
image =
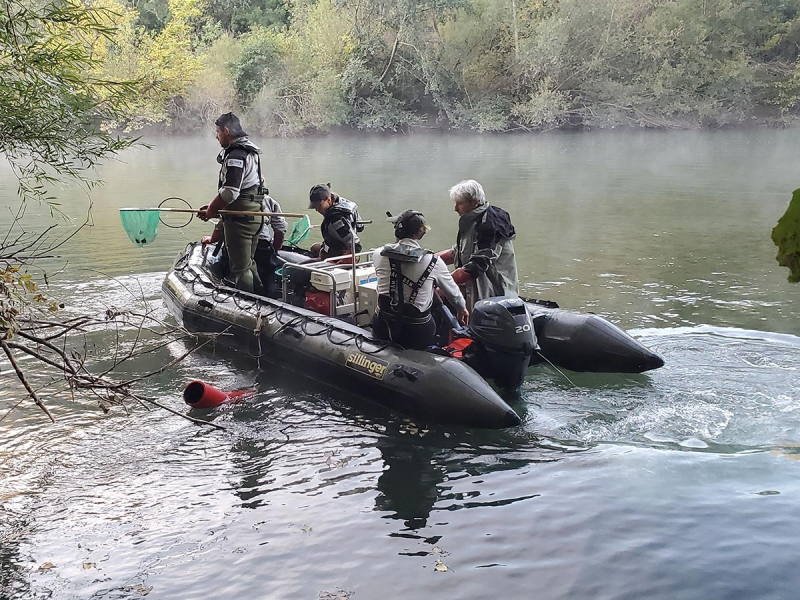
<point x="340" y="221"/>
<point x="240" y="188"/>
<point x="483" y="253"/>
<point x="406" y="276"/>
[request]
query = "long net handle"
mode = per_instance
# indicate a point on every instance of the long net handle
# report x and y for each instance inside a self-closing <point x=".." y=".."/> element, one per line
<point x="260" y="214"/>
<point x="180" y="210"/>
<point x="223" y="212"/>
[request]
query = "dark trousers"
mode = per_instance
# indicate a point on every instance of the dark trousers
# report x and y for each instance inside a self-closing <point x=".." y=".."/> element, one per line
<point x="414" y="336"/>
<point x="241" y="240"/>
<point x="267" y="263"/>
<point x="445" y="321"/>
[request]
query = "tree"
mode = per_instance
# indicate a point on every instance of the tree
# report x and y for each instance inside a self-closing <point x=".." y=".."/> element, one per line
<point x="51" y="106"/>
<point x="786" y="236"/>
<point x="239" y="16"/>
<point x="55" y="109"/>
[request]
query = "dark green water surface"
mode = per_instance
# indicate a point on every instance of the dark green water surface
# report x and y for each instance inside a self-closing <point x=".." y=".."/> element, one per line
<point x="678" y="484"/>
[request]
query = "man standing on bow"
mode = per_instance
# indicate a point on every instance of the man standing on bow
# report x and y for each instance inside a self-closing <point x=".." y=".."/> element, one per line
<point x="240" y="189"/>
<point x="484" y="253"/>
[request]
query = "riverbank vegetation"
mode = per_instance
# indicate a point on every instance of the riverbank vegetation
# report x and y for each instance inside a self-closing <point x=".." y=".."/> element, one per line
<point x="293" y="67"/>
<point x="58" y="104"/>
<point x="786" y="236"/>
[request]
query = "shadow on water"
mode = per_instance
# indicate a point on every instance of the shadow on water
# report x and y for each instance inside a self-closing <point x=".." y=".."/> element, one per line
<point x="294" y="418"/>
<point x="14" y="567"/>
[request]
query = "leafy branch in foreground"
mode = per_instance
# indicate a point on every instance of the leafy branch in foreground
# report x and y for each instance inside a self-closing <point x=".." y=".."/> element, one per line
<point x="51" y="106"/>
<point x="69" y="369"/>
<point x="56" y="115"/>
<point x="786" y="236"/>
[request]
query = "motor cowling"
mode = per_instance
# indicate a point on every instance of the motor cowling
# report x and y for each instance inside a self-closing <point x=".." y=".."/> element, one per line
<point x="504" y="340"/>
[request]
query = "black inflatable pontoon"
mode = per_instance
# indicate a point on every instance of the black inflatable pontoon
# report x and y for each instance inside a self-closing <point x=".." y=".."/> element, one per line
<point x="586" y="342"/>
<point x="423" y="385"/>
<point x="506" y="335"/>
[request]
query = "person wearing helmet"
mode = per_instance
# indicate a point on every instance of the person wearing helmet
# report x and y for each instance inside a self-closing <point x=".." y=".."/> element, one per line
<point x="340" y="222"/>
<point x="483" y="253"/>
<point x="406" y="276"/>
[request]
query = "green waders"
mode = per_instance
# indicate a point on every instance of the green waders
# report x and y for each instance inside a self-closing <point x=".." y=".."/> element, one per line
<point x="241" y="240"/>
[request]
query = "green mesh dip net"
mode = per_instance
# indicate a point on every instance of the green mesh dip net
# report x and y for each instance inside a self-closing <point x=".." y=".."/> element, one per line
<point x="300" y="231"/>
<point x="140" y="224"/>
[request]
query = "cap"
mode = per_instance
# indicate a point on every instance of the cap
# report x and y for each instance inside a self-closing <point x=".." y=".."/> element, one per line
<point x="408" y="223"/>
<point x="317" y="194"/>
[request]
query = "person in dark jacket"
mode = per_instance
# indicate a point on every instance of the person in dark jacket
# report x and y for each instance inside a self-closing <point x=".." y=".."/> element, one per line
<point x="340" y="222"/>
<point x="484" y="251"/>
<point x="266" y="258"/>
<point x="240" y="188"/>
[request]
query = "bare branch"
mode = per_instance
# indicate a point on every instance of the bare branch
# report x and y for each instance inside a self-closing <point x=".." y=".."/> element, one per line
<point x="24" y="381"/>
<point x="175" y="412"/>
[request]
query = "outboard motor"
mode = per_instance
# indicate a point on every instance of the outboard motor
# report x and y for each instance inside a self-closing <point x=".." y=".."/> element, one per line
<point x="504" y="341"/>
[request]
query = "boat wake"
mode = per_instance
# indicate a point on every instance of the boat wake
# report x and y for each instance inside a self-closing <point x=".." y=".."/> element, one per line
<point x="722" y="390"/>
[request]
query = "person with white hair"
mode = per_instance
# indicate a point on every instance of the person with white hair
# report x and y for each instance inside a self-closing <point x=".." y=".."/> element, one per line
<point x="484" y="251"/>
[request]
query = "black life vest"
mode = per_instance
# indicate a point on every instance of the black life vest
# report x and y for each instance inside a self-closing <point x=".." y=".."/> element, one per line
<point x="397" y="305"/>
<point x="239" y="149"/>
<point x="338" y="222"/>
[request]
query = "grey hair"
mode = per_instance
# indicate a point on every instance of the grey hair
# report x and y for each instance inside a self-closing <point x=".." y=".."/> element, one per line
<point x="467" y="191"/>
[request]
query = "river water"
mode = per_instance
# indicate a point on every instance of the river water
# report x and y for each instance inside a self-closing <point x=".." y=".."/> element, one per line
<point x="680" y="483"/>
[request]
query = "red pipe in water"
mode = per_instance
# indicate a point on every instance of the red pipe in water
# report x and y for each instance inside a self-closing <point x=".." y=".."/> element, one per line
<point x="198" y="394"/>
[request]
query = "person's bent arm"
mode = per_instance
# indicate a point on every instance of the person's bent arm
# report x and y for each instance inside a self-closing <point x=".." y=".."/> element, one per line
<point x="446" y="283"/>
<point x="461" y="276"/>
<point x="277" y="240"/>
<point x="486" y="253"/>
<point x="213" y="238"/>
<point x="232" y="178"/>
<point x="478" y="263"/>
<point x="212" y="210"/>
<point x="447" y="256"/>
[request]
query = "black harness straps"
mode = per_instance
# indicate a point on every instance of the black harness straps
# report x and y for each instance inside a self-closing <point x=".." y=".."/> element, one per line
<point x="396" y="289"/>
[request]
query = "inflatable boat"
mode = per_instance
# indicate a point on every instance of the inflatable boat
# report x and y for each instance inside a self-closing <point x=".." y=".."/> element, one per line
<point x="319" y="327"/>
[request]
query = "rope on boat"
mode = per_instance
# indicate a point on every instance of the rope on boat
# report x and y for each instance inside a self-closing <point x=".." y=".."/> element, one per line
<point x="267" y="311"/>
<point x="564" y="375"/>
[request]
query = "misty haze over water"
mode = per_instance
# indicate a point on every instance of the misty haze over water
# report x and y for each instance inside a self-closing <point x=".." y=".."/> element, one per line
<point x="680" y="483"/>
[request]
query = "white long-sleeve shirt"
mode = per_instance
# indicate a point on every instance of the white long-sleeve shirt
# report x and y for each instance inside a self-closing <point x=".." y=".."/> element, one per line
<point x="440" y="275"/>
<point x="276" y="223"/>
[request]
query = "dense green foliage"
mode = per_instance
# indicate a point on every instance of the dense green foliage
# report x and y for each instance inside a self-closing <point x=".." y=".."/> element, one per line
<point x="52" y="101"/>
<point x="297" y="66"/>
<point x="786" y="236"/>
<point x="55" y="109"/>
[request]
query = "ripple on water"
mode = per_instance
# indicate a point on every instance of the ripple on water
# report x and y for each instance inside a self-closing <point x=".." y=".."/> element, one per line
<point x="721" y="387"/>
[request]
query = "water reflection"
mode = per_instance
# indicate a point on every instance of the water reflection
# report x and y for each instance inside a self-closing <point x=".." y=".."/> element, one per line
<point x="14" y="567"/>
<point x="301" y="436"/>
<point x="410" y="484"/>
<point x="438" y="471"/>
